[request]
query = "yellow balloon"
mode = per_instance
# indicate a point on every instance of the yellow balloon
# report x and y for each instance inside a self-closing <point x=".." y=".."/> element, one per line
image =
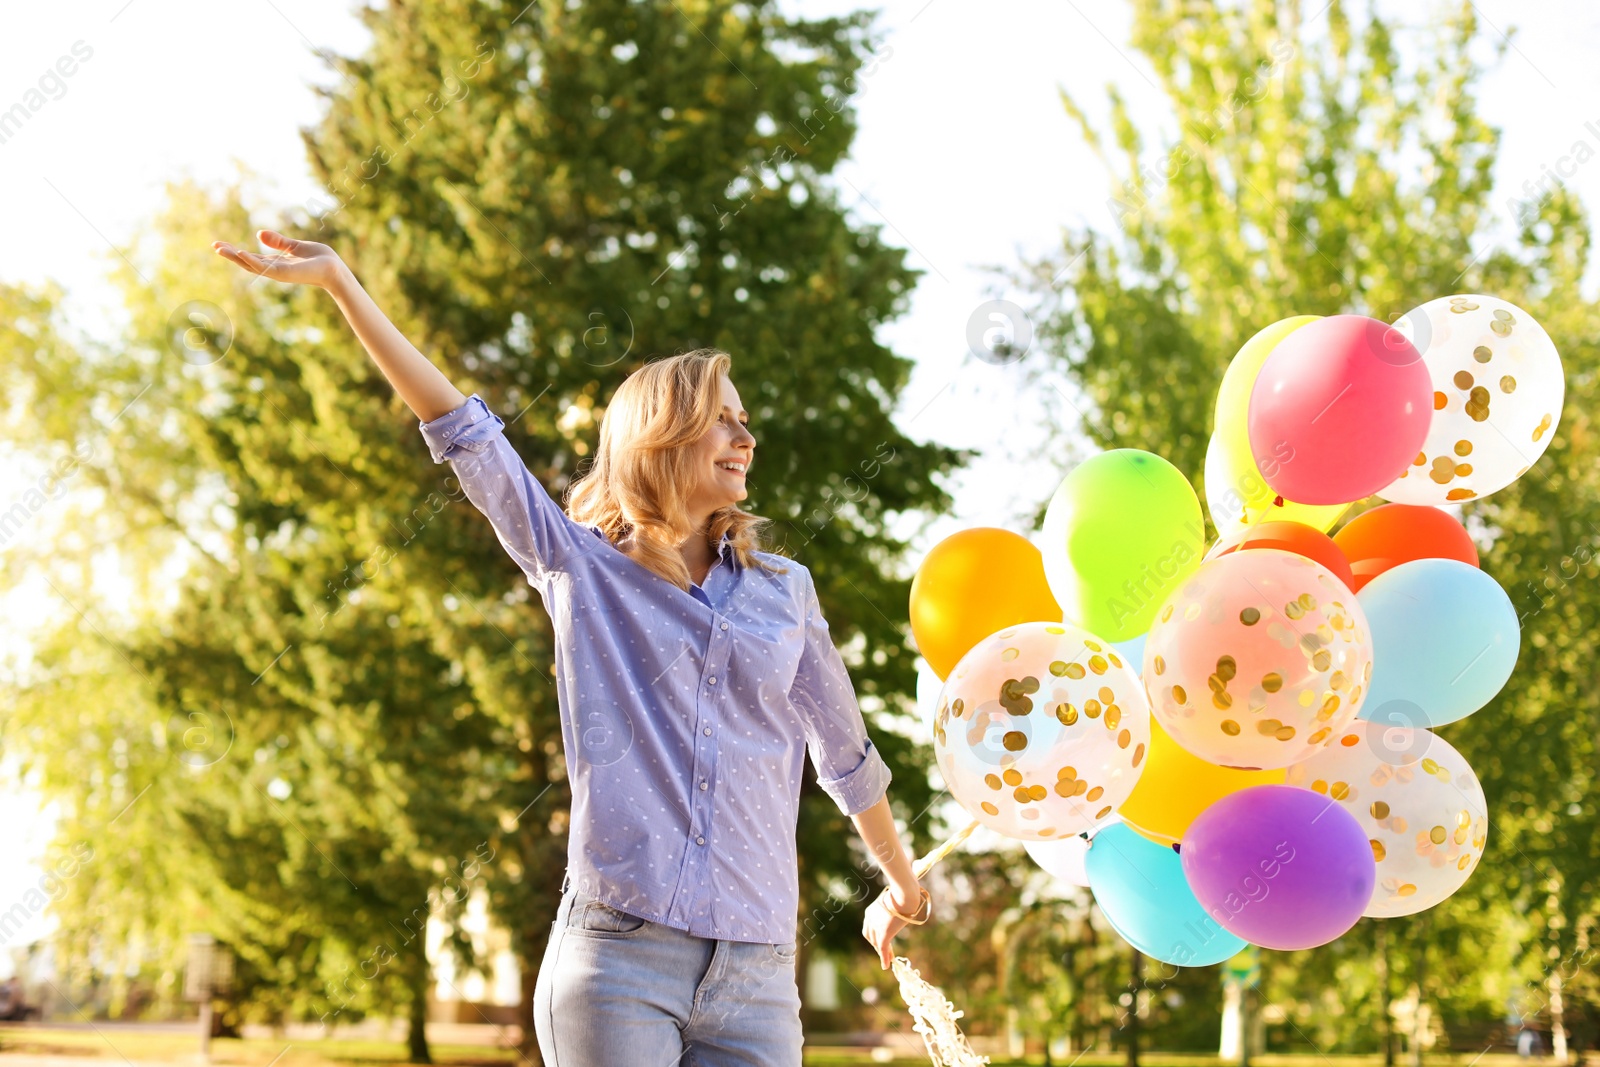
<point x="1236" y="493"/>
<point x="1177" y="786"/>
<point x="1239" y="498"/>
<point x="972" y="584"/>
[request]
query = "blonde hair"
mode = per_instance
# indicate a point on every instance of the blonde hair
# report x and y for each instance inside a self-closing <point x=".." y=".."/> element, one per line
<point x="645" y="467"/>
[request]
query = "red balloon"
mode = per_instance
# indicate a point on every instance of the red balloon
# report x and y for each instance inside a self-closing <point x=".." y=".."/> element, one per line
<point x="1294" y="537"/>
<point x="1392" y="534"/>
<point x="1338" y="410"/>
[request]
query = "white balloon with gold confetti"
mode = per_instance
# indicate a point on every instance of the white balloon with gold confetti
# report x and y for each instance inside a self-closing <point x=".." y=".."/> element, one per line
<point x="1420" y="803"/>
<point x="1041" y="730"/>
<point x="1258" y="659"/>
<point x="1497" y="393"/>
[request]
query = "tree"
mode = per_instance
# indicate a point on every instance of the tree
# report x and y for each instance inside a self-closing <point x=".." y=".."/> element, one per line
<point x="624" y="180"/>
<point x="1320" y="168"/>
<point x="541" y="198"/>
<point x="298" y="772"/>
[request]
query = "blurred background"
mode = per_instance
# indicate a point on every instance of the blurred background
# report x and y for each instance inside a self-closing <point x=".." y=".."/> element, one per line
<point x="270" y="680"/>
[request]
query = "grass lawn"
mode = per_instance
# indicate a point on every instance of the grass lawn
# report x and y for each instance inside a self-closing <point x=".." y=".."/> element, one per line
<point x="114" y="1045"/>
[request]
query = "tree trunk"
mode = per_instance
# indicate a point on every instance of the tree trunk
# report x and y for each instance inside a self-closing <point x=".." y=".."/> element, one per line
<point x="1419" y="1024"/>
<point x="1135" y="982"/>
<point x="1247" y="1024"/>
<point x="1558" y="1028"/>
<point x="1381" y="965"/>
<point x="1075" y="1012"/>
<point x="1230" y="1039"/>
<point x="1581" y="953"/>
<point x="418" y="979"/>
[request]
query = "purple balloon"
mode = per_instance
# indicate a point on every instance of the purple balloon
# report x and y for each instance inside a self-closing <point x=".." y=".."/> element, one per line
<point x="1280" y="866"/>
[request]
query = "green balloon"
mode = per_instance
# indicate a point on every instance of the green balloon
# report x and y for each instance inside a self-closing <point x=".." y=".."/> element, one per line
<point x="1122" y="531"/>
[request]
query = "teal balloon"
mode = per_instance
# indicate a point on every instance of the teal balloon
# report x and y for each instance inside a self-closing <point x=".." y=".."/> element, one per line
<point x="1444" y="640"/>
<point x="1140" y="887"/>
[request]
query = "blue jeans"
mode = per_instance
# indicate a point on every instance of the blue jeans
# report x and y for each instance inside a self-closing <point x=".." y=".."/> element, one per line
<point x="616" y="990"/>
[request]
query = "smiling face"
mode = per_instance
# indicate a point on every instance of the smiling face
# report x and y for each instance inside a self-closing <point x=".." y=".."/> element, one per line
<point x="727" y="442"/>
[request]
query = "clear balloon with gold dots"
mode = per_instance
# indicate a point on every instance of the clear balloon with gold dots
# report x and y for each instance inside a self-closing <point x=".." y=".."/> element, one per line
<point x="1041" y="730"/>
<point x="1498" y="387"/>
<point x="1257" y="659"/>
<point x="1420" y="803"/>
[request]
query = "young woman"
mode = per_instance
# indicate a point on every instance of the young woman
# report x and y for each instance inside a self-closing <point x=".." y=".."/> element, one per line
<point x="693" y="672"/>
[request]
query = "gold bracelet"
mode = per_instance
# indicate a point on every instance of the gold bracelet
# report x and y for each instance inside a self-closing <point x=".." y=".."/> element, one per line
<point x="910" y="920"/>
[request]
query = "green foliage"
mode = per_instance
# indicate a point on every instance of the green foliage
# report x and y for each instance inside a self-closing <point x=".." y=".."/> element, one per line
<point x="1310" y="175"/>
<point x="1319" y="167"/>
<point x="337" y="706"/>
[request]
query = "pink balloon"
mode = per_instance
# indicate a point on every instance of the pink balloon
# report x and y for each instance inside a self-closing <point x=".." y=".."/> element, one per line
<point x="1339" y="409"/>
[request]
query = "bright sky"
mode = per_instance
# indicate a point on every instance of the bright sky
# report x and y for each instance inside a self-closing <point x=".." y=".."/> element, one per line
<point x="964" y="156"/>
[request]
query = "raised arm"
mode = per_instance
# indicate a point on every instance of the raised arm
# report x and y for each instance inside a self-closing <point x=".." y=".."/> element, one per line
<point x="420" y="384"/>
<point x="458" y="429"/>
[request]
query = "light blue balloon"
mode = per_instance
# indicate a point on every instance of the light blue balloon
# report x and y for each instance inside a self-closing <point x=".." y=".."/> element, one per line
<point x="1132" y="651"/>
<point x="1444" y="640"/>
<point x="1140" y="887"/>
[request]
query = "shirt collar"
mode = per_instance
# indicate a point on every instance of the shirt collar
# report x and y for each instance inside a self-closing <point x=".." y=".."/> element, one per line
<point x="722" y="545"/>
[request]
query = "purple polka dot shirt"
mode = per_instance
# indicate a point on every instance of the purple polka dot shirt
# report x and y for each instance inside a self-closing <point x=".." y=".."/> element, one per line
<point x="685" y="716"/>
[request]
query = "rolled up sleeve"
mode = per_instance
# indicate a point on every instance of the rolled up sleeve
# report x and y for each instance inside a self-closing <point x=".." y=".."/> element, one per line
<point x="535" y="531"/>
<point x="849" y="767"/>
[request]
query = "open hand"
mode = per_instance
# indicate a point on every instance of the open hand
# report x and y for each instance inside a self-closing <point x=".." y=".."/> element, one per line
<point x="296" y="262"/>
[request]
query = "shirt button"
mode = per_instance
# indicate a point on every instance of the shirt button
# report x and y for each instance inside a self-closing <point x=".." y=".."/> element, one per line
<point x="724" y="626"/>
<point x="708" y="731"/>
<point x="702" y="785"/>
<point x="699" y="840"/>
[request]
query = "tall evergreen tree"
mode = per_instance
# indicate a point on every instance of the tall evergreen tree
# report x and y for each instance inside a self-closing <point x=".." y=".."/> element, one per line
<point x="342" y="710"/>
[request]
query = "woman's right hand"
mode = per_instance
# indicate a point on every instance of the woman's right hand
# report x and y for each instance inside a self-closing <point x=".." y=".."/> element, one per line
<point x="296" y="262"/>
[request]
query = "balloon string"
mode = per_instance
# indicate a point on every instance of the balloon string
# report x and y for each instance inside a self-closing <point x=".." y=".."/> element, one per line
<point x="932" y="1016"/>
<point x="922" y="866"/>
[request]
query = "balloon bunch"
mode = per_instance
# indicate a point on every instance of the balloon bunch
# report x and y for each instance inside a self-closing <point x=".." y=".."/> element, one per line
<point x="1234" y="745"/>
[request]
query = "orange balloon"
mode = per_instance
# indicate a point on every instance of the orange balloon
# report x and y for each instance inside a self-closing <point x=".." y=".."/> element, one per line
<point x="972" y="584"/>
<point x="1294" y="537"/>
<point x="1392" y="534"/>
<point x="1177" y="786"/>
